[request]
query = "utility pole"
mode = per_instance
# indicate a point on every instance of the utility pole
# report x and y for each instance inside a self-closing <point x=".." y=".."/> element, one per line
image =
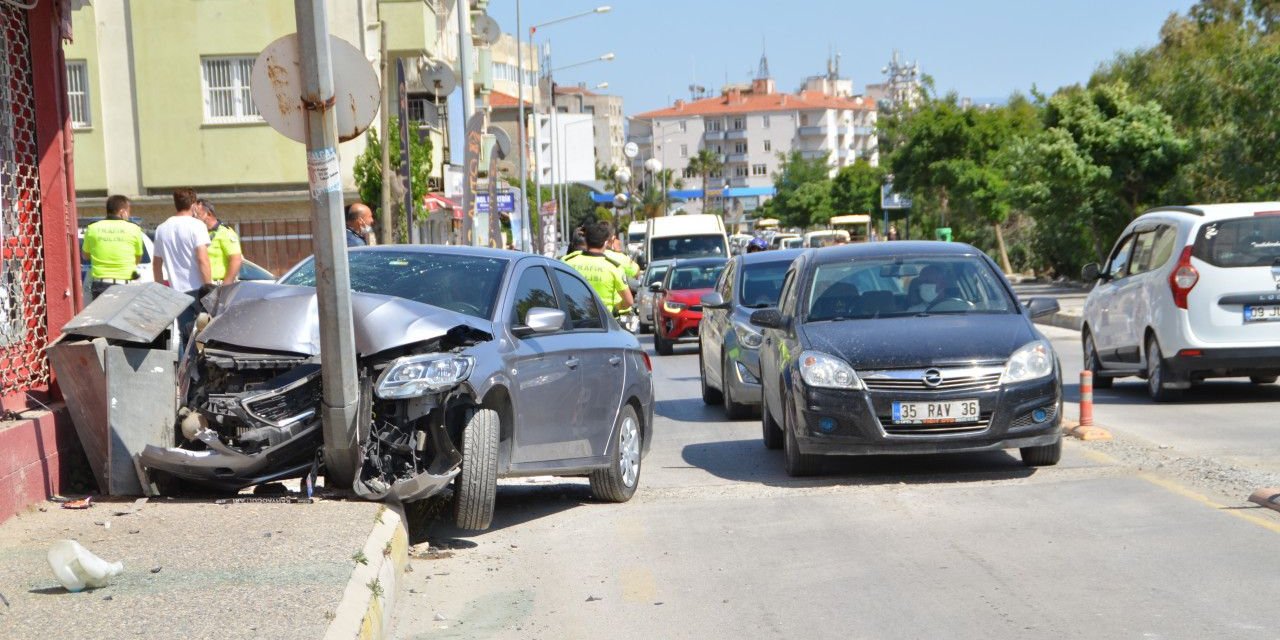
<point x="478" y="238"/>
<point x="333" y="278"/>
<point x="384" y="123"/>
<point x="522" y="148"/>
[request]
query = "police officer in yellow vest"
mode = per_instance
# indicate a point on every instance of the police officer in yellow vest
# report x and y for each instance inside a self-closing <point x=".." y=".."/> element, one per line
<point x="613" y="249"/>
<point x="113" y="246"/>
<point x="603" y="273"/>
<point x="224" y="245"/>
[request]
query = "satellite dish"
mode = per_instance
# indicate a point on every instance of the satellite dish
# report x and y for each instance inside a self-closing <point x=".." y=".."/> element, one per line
<point x="631" y="150"/>
<point x="485" y="29"/>
<point x="276" y="85"/>
<point x="622" y="175"/>
<point x="437" y="76"/>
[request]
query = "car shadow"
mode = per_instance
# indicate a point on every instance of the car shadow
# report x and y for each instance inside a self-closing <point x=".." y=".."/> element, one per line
<point x="688" y="410"/>
<point x="1133" y="391"/>
<point x="749" y="461"/>
<point x="516" y="505"/>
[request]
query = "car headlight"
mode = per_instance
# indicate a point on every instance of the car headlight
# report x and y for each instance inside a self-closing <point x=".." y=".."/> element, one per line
<point x="1031" y="361"/>
<point x="413" y="376"/>
<point x="747" y="337"/>
<point x="821" y="370"/>
<point x="673" y="307"/>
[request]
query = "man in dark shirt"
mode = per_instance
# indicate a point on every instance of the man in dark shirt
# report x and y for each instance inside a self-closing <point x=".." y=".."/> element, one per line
<point x="359" y="224"/>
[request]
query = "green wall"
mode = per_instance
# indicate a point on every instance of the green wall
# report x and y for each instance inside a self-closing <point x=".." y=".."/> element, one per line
<point x="90" y="168"/>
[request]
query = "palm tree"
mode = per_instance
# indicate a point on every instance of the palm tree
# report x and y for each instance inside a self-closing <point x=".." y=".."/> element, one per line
<point x="704" y="163"/>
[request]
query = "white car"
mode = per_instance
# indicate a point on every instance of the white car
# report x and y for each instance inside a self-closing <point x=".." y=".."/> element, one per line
<point x="1188" y="293"/>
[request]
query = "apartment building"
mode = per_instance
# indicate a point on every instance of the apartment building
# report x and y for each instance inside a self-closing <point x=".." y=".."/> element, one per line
<point x="606" y="117"/>
<point x="749" y="127"/>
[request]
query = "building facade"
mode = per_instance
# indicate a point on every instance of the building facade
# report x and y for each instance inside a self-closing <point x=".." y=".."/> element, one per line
<point x="751" y="128"/>
<point x="606" y="117"/>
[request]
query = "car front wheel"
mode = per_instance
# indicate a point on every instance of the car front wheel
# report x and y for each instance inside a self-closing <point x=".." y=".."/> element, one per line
<point x="710" y="395"/>
<point x="1092" y="364"/>
<point x="1158" y="374"/>
<point x="772" y="432"/>
<point x="732" y="409"/>
<point x="1262" y="379"/>
<point x="797" y="464"/>
<point x="618" y="482"/>
<point x="1042" y="456"/>
<point x="476" y="487"/>
<point x="660" y="343"/>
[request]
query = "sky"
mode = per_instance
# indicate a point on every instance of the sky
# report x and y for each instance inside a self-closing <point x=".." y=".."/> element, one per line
<point x="982" y="49"/>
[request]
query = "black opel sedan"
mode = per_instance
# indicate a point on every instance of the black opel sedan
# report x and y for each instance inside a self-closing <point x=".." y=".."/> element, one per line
<point x="905" y="348"/>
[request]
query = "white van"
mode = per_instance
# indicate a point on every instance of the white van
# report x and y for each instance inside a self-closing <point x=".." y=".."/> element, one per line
<point x="686" y="236"/>
<point x="825" y="238"/>
<point x="635" y="236"/>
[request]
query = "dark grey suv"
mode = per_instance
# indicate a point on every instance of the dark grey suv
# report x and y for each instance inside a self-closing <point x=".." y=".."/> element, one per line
<point x="729" y="357"/>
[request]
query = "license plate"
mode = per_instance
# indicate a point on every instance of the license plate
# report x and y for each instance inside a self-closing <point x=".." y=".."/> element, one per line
<point x="935" y="412"/>
<point x="1261" y="313"/>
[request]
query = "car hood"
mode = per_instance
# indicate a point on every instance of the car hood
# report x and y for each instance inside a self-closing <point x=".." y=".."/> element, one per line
<point x="280" y="317"/>
<point x="911" y="342"/>
<point x="688" y="296"/>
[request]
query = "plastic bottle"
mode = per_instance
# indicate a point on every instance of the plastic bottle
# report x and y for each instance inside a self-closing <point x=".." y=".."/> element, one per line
<point x="76" y="567"/>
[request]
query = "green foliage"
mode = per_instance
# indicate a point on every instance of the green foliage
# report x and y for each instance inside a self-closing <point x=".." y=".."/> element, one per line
<point x="856" y="189"/>
<point x="368" y="167"/>
<point x="794" y="207"/>
<point x="704" y="163"/>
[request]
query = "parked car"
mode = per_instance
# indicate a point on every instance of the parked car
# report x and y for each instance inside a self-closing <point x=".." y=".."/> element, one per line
<point x="729" y="347"/>
<point x="498" y="364"/>
<point x="1187" y="293"/>
<point x="825" y="238"/>
<point x="677" y="305"/>
<point x="905" y="348"/>
<point x="781" y="240"/>
<point x="653" y="273"/>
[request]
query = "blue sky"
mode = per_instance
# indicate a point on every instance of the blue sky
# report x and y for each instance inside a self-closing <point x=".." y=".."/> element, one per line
<point x="979" y="48"/>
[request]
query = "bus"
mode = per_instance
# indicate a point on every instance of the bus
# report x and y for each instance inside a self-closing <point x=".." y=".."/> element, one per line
<point x="858" y="225"/>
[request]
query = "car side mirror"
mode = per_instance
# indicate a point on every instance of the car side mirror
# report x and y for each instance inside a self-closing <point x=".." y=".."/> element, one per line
<point x="768" y="319"/>
<point x="713" y="300"/>
<point x="656" y="287"/>
<point x="1040" y="307"/>
<point x="540" y="320"/>
<point x="1091" y="272"/>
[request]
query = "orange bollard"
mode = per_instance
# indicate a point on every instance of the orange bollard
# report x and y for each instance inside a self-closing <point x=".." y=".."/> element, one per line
<point x="1086" y="398"/>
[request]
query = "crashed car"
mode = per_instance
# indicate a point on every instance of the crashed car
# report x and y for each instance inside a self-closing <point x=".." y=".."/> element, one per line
<point x="473" y="364"/>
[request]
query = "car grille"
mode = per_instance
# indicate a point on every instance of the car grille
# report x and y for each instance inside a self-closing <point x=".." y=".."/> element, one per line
<point x="967" y="379"/>
<point x="696" y="307"/>
<point x="948" y="429"/>
<point x="290" y="403"/>
<point x="1026" y="420"/>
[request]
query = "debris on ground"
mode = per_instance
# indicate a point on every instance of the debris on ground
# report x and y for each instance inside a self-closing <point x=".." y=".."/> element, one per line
<point x="78" y="504"/>
<point x="130" y="510"/>
<point x="77" y="567"/>
<point x="4" y="600"/>
<point x="440" y="617"/>
<point x="594" y="599"/>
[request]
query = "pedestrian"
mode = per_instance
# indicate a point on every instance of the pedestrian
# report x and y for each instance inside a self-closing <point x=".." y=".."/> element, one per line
<point x="359" y="224"/>
<point x="613" y="249"/>
<point x="757" y="244"/>
<point x="601" y="272"/>
<point x="113" y="247"/>
<point x="225" y="256"/>
<point x="893" y="232"/>
<point x="182" y="249"/>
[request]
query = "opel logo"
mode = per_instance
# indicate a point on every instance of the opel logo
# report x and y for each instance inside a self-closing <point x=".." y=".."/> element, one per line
<point x="932" y="378"/>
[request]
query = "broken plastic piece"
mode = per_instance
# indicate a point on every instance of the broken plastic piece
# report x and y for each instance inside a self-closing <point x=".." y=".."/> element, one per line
<point x="77" y="567"/>
<point x="79" y="504"/>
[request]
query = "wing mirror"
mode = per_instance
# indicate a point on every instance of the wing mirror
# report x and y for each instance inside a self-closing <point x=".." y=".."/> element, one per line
<point x="1091" y="272"/>
<point x="1040" y="307"/>
<point x="769" y="319"/>
<point x="713" y="300"/>
<point x="656" y="287"/>
<point x="541" y="320"/>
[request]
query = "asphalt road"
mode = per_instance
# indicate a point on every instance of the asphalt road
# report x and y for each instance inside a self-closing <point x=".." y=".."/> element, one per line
<point x="1121" y="540"/>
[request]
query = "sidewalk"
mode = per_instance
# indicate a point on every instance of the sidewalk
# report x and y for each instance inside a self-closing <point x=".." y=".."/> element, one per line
<point x="198" y="569"/>
<point x="1070" y="297"/>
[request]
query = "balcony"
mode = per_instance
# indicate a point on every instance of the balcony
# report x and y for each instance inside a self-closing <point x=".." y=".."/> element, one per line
<point x="816" y="154"/>
<point x="846" y="152"/>
<point x="864" y="131"/>
<point x="812" y="131"/>
<point x="739" y="181"/>
<point x="735" y="158"/>
<point x="713" y="135"/>
<point x="736" y="134"/>
<point x="641" y="140"/>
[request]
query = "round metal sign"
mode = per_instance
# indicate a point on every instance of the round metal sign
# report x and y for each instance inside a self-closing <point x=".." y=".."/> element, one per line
<point x="631" y="150"/>
<point x="276" y="84"/>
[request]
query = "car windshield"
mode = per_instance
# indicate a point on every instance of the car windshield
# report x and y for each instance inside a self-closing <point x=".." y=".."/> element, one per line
<point x="461" y="283"/>
<point x="762" y="284"/>
<point x="708" y="246"/>
<point x="656" y="274"/>
<point x="695" y="276"/>
<point x="1240" y="242"/>
<point x="896" y="287"/>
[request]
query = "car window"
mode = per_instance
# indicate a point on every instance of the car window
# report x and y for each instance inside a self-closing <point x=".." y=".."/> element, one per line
<point x="898" y="286"/>
<point x="1119" y="261"/>
<point x="533" y="290"/>
<point x="579" y="302"/>
<point x="693" y="276"/>
<point x="786" y="298"/>
<point x="655" y="274"/>
<point x="727" y="286"/>
<point x="1143" y="251"/>
<point x="462" y="283"/>
<point x="1239" y="242"/>
<point x="706" y="246"/>
<point x="762" y="284"/>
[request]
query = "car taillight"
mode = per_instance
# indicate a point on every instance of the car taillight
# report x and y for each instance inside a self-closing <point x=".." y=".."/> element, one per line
<point x="1183" y="278"/>
<point x="648" y="364"/>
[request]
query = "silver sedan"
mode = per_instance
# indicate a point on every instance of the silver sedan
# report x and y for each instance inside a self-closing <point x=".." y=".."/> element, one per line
<point x="474" y="364"/>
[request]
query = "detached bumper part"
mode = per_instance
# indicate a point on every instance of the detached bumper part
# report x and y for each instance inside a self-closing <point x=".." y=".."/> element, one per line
<point x="222" y="467"/>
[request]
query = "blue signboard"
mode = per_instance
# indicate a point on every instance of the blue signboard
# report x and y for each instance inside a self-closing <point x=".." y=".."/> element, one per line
<point x="506" y="202"/>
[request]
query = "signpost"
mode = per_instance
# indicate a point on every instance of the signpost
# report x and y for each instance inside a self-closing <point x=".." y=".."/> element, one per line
<point x="891" y="200"/>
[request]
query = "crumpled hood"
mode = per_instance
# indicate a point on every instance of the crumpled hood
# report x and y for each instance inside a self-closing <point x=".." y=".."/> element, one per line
<point x="937" y="340"/>
<point x="278" y="317"/>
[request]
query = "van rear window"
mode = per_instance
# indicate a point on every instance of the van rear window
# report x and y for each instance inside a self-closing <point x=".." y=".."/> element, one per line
<point x="710" y="246"/>
<point x="1239" y="242"/>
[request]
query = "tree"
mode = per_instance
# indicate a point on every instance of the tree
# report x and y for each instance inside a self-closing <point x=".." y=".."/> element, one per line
<point x="795" y="209"/>
<point x="703" y="164"/>
<point x="856" y="189"/>
<point x="368" y="167"/>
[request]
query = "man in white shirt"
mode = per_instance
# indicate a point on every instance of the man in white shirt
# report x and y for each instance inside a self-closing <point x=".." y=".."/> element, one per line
<point x="182" y="245"/>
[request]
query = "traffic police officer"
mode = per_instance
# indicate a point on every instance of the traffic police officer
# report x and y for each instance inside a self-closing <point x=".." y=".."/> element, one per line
<point x="113" y="246"/>
<point x="225" y="255"/>
<point x="604" y="274"/>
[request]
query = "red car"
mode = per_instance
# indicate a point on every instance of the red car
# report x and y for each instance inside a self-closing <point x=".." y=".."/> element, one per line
<point x="677" y="306"/>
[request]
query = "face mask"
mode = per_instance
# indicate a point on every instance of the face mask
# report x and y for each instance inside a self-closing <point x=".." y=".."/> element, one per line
<point x="928" y="292"/>
<point x="366" y="230"/>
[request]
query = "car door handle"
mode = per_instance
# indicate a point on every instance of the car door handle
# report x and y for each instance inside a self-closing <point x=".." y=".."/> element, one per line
<point x="615" y="360"/>
<point x="572" y="363"/>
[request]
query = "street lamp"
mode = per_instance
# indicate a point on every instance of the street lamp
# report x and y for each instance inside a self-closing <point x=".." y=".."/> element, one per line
<point x="555" y="133"/>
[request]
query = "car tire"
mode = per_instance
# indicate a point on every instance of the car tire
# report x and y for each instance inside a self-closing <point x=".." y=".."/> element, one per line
<point x="710" y="395"/>
<point x="476" y="487"/>
<point x="1158" y="373"/>
<point x="619" y="481"/>
<point x="1042" y="456"/>
<point x="660" y="343"/>
<point x="797" y="464"/>
<point x="771" y="431"/>
<point x="1092" y="364"/>
<point x="732" y="410"/>
<point x="1262" y="379"/>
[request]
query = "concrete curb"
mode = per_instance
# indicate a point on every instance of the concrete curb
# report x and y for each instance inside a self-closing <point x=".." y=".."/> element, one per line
<point x="1073" y="428"/>
<point x="1268" y="497"/>
<point x="1063" y="321"/>
<point x="362" y="613"/>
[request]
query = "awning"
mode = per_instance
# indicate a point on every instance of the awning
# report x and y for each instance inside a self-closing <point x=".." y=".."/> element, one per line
<point x="437" y="202"/>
